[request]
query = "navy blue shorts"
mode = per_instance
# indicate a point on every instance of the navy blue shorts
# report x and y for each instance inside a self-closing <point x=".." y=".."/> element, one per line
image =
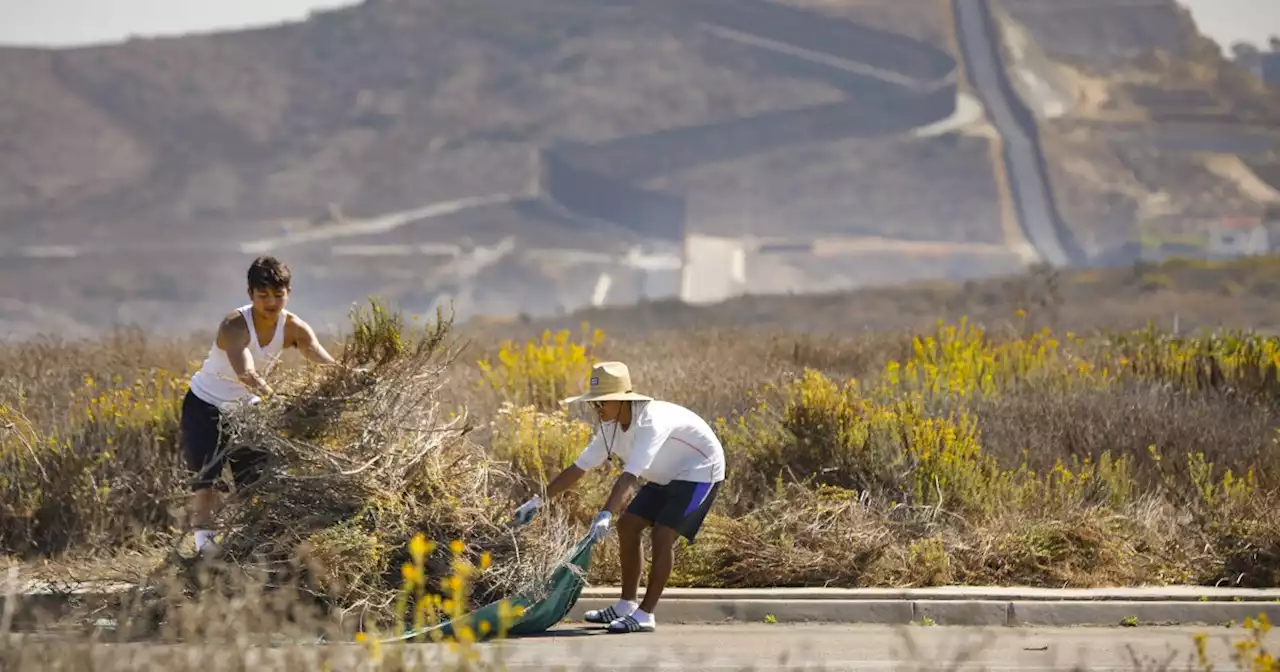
<point x="204" y="448"/>
<point x="680" y="505"/>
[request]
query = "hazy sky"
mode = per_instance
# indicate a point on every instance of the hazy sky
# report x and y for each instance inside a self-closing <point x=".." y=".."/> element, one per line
<point x="71" y="22"/>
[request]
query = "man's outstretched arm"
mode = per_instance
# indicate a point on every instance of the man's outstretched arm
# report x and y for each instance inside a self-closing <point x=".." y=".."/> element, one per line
<point x="309" y="344"/>
<point x="592" y="456"/>
<point x="564" y="481"/>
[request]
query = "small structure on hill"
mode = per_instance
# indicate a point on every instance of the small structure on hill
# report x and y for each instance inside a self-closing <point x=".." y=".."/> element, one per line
<point x="1238" y="237"/>
<point x="1269" y="69"/>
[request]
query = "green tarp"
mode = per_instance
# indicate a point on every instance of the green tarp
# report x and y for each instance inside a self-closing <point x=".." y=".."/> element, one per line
<point x="562" y="592"/>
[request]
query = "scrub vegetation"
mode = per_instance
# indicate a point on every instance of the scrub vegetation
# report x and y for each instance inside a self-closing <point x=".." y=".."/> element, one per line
<point x="1003" y="452"/>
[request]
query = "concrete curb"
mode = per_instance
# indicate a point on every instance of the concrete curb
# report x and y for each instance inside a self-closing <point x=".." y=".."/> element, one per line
<point x="957" y="605"/>
<point x="951" y="605"/>
<point x="43" y="601"/>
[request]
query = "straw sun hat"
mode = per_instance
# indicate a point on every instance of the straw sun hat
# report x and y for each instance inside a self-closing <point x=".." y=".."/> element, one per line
<point x="610" y="381"/>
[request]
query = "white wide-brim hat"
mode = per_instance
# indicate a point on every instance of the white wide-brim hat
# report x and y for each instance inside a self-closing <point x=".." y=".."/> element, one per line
<point x="610" y="381"/>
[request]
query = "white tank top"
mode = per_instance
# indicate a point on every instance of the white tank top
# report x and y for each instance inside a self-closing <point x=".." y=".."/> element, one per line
<point x="217" y="384"/>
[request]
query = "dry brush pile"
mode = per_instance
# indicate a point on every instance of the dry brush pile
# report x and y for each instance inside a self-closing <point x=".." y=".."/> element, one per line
<point x="955" y="455"/>
<point x="363" y="462"/>
<point x="360" y="463"/>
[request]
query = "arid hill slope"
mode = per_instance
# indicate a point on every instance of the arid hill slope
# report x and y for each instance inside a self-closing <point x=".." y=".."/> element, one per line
<point x="1153" y="134"/>
<point x="396" y="104"/>
<point x="382" y="107"/>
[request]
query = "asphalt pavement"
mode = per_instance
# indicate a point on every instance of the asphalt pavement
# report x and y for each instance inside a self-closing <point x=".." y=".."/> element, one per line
<point x="867" y="648"/>
<point x="739" y="647"/>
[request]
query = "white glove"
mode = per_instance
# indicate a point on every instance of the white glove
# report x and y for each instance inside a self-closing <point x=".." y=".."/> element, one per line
<point x="525" y="513"/>
<point x="600" y="528"/>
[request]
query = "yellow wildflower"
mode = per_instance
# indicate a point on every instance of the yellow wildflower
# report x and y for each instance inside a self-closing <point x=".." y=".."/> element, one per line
<point x="419" y="547"/>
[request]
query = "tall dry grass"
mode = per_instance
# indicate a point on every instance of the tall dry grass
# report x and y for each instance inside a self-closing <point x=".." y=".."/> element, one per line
<point x="1018" y="455"/>
<point x="957" y="454"/>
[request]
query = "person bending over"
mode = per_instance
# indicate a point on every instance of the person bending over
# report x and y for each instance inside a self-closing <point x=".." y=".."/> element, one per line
<point x="682" y="463"/>
<point x="249" y="342"/>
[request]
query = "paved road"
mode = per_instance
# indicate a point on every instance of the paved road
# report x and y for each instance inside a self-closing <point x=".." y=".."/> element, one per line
<point x="864" y="648"/>
<point x="759" y="647"/>
<point x="1027" y="178"/>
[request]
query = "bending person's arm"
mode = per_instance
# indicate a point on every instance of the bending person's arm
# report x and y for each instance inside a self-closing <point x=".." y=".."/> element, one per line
<point x="564" y="481"/>
<point x="308" y="344"/>
<point x="233" y="337"/>
<point x="591" y="457"/>
<point x="649" y="439"/>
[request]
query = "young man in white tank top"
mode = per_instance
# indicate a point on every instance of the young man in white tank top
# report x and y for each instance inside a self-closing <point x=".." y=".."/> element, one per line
<point x="249" y="343"/>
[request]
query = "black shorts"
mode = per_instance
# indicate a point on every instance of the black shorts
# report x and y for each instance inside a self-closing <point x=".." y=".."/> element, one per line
<point x="680" y="505"/>
<point x="203" y="444"/>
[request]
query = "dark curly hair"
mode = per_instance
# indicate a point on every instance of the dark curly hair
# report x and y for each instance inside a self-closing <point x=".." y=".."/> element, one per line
<point x="267" y="272"/>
